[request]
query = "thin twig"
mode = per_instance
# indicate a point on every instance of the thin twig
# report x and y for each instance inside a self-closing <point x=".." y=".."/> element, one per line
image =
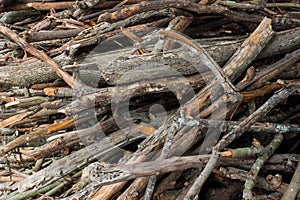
<point x="268" y="151"/>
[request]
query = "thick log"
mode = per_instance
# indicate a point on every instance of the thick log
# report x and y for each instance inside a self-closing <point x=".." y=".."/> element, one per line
<point x="220" y="49"/>
<point x="113" y="67"/>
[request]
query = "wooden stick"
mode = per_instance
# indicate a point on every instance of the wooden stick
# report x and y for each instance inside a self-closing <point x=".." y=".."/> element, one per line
<point x="246" y="54"/>
<point x="34" y="135"/>
<point x="39" y="54"/>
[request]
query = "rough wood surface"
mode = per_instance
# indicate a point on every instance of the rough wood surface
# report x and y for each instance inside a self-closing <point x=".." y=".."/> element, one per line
<point x="144" y="99"/>
<point x="219" y="49"/>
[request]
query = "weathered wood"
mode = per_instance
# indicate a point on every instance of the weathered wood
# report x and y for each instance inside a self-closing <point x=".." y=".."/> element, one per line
<point x="251" y="47"/>
<point x="103" y="174"/>
<point x="72" y="162"/>
<point x="39" y="54"/>
<point x="26" y="75"/>
<point x="51" y="35"/>
<point x="143" y="102"/>
<point x="219" y="49"/>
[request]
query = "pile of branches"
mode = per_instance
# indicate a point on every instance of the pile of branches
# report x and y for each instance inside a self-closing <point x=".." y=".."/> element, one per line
<point x="104" y="99"/>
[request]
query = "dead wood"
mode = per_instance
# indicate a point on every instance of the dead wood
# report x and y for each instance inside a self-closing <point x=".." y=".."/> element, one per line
<point x="149" y="99"/>
<point x="219" y="49"/>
